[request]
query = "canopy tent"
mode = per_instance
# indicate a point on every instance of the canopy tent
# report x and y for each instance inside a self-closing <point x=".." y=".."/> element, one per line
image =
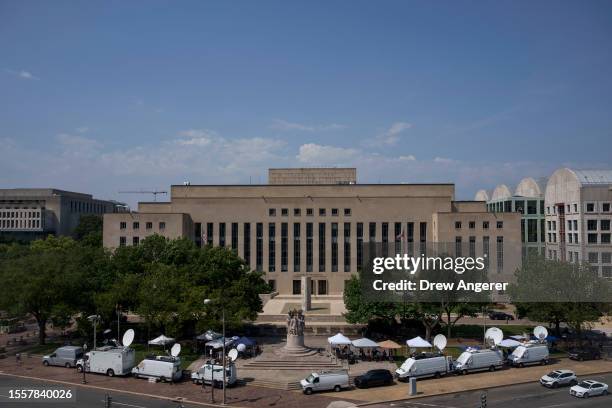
<point x="518" y="337"/>
<point x="339" y="340"/>
<point x="418" y="342"/>
<point x="364" y="343"/>
<point x="509" y="343"/>
<point x="389" y="344"/>
<point x="161" y="341"/>
<point x="246" y="341"/>
<point x="209" y="335"/>
<point x="469" y="347"/>
<point x="218" y="343"/>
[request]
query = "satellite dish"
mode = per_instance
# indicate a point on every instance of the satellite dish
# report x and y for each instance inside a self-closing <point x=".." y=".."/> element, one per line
<point x="241" y="348"/>
<point x="175" y="350"/>
<point x="233" y="354"/>
<point x="540" y="332"/>
<point x="128" y="338"/>
<point x="440" y="342"/>
<point x="495" y="335"/>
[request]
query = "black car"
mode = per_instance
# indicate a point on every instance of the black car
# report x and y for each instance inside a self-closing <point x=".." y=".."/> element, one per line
<point x="374" y="378"/>
<point x="582" y="354"/>
<point x="500" y="316"/>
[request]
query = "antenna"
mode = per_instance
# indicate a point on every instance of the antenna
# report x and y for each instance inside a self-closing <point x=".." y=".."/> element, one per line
<point x="128" y="338"/>
<point x="440" y="342"/>
<point x="540" y="333"/>
<point x="494" y="335"/>
<point x="233" y="354"/>
<point x="154" y="192"/>
<point x="175" y="350"/>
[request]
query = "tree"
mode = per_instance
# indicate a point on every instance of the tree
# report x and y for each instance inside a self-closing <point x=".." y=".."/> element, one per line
<point x="89" y="230"/>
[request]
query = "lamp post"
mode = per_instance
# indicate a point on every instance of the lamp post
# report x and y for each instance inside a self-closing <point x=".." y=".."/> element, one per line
<point x="94" y="319"/>
<point x="83" y="366"/>
<point x="206" y="302"/>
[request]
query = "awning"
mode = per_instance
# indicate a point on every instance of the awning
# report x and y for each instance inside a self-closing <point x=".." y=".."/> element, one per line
<point x="389" y="344"/>
<point x="418" y="342"/>
<point x="209" y="335"/>
<point x="509" y="343"/>
<point x="218" y="343"/>
<point x="161" y="341"/>
<point x="338" y="340"/>
<point x="364" y="343"/>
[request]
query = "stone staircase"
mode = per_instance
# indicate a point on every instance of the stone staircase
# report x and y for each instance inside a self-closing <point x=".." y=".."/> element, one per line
<point x="291" y="365"/>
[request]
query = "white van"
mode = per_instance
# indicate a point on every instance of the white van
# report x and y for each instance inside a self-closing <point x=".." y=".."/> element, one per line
<point x="478" y="360"/>
<point x="163" y="368"/>
<point x="324" y="381"/>
<point x="108" y="360"/>
<point x="427" y="366"/>
<point x="66" y="356"/>
<point x="212" y="374"/>
<point x="529" y="354"/>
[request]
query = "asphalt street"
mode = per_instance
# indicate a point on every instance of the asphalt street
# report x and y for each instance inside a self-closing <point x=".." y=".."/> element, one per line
<point x="531" y="395"/>
<point x="85" y="397"/>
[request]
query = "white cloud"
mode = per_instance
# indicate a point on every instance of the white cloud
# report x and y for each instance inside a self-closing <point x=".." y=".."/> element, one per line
<point x="389" y="137"/>
<point x="443" y="160"/>
<point x="283" y="125"/>
<point x="314" y="154"/>
<point x="23" y="74"/>
<point x="82" y="129"/>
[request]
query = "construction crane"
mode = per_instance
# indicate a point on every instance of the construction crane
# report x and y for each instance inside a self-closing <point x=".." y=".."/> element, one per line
<point x="154" y="192"/>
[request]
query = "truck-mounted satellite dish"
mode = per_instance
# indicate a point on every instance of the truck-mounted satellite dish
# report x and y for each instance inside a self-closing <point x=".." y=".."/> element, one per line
<point x="128" y="338"/>
<point x="494" y="335"/>
<point x="233" y="354"/>
<point x="175" y="350"/>
<point x="540" y="333"/>
<point x="440" y="342"/>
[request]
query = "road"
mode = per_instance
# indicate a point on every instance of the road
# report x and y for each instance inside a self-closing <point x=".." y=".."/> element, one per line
<point x="523" y="395"/>
<point x="85" y="397"/>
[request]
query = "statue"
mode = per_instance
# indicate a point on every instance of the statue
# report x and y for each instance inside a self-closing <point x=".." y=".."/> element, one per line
<point x="295" y="323"/>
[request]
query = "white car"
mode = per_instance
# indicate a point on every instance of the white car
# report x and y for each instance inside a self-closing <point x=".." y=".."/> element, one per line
<point x="559" y="377"/>
<point x="589" y="388"/>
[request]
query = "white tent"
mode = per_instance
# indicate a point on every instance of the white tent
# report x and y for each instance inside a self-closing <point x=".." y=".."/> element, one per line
<point x="418" y="342"/>
<point x="161" y="341"/>
<point x="518" y="337"/>
<point x="509" y="343"/>
<point x="218" y="343"/>
<point x="338" y="340"/>
<point x="364" y="343"/>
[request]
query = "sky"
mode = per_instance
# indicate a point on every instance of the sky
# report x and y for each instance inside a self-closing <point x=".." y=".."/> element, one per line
<point x="102" y="97"/>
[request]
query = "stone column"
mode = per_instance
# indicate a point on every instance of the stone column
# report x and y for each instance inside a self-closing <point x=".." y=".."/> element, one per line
<point x="306" y="304"/>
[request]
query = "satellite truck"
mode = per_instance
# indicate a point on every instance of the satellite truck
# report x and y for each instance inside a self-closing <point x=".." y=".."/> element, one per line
<point x="426" y="364"/>
<point x="532" y="352"/>
<point x="110" y="360"/>
<point x="211" y="373"/>
<point x="480" y="360"/>
<point x="161" y="368"/>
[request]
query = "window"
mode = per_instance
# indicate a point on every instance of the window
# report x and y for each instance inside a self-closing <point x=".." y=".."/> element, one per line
<point x="272" y="212"/>
<point x="472" y="248"/>
<point x="122" y="241"/>
<point x="359" y="245"/>
<point x="309" y="212"/>
<point x="334" y="246"/>
<point x="122" y="225"/>
<point x="507" y="206"/>
<point x="284" y="246"/>
<point x="457" y="224"/>
<point x="458" y="251"/>
<point x="321" y="247"/>
<point x="575" y="225"/>
<point x="500" y="224"/>
<point x="322" y="287"/>
<point x="347" y="247"/>
<point x="532" y="207"/>
<point x="235" y="236"/>
<point x="309" y="246"/>
<point x="372" y="231"/>
<point x="221" y="234"/>
<point x="519" y="206"/>
<point x="522" y="230"/>
<point x="284" y="212"/>
<point x="149" y="225"/>
<point x="592" y="238"/>
<point x="485" y="225"/>
<point x="606" y="257"/>
<point x="592" y="225"/>
<point x="604" y="225"/>
<point x="606" y="271"/>
<point x="247" y="243"/>
<point x="296" y="246"/>
<point x="385" y="238"/>
<point x="605" y="207"/>
<point x="569" y="225"/>
<point x="590" y="207"/>
<point x="271" y="247"/>
<point x="334" y="212"/>
<point x="297" y="212"/>
<point x="500" y="254"/>
<point x="209" y="233"/>
<point x="423" y="237"/>
<point x="593" y="257"/>
<point x="542" y="207"/>
<point x="605" y="238"/>
<point x="575" y="238"/>
<point x="399" y="237"/>
<point x="135" y="225"/>
<point x="297" y="287"/>
<point x="532" y="230"/>
<point x="321" y="212"/>
<point x="259" y="246"/>
<point x="575" y="208"/>
<point x="162" y="225"/>
<point x="485" y="250"/>
<point x="347" y="212"/>
<point x="472" y="224"/>
<point x="135" y="241"/>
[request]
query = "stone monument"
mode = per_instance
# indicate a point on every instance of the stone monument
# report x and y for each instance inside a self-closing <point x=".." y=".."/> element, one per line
<point x="294" y="346"/>
<point x="306" y="295"/>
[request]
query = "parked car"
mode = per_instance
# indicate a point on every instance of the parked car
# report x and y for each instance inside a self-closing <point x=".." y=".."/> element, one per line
<point x="374" y="378"/>
<point x="66" y="356"/>
<point x="589" y="388"/>
<point x="585" y="353"/>
<point x="558" y="378"/>
<point x="478" y="360"/>
<point x="419" y="366"/>
<point x="529" y="354"/>
<point x="162" y="368"/>
<point x="335" y="380"/>
<point x="500" y="316"/>
<point x="108" y="360"/>
<point x="211" y="373"/>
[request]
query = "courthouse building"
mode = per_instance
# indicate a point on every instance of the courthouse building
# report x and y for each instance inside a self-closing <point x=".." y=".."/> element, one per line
<point x="314" y="222"/>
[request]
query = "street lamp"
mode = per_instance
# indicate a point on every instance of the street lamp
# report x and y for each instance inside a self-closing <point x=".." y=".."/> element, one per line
<point x="94" y="319"/>
<point x="207" y="302"/>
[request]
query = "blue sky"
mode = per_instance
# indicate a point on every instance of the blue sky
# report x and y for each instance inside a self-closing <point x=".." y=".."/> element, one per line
<point x="107" y="96"/>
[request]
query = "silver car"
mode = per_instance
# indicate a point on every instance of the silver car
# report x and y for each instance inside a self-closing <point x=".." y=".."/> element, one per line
<point x="66" y="356"/>
<point x="558" y="378"/>
<point x="589" y="388"/>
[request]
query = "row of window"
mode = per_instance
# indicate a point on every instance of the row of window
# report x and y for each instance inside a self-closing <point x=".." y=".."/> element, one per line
<point x="20" y="224"/>
<point x="136" y="225"/>
<point x="592" y="238"/>
<point x="485" y="225"/>
<point x="590" y="207"/>
<point x="87" y="207"/>
<point x="531" y="232"/>
<point x="518" y="206"/>
<point x="284" y="212"/>
<point x="20" y="214"/>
